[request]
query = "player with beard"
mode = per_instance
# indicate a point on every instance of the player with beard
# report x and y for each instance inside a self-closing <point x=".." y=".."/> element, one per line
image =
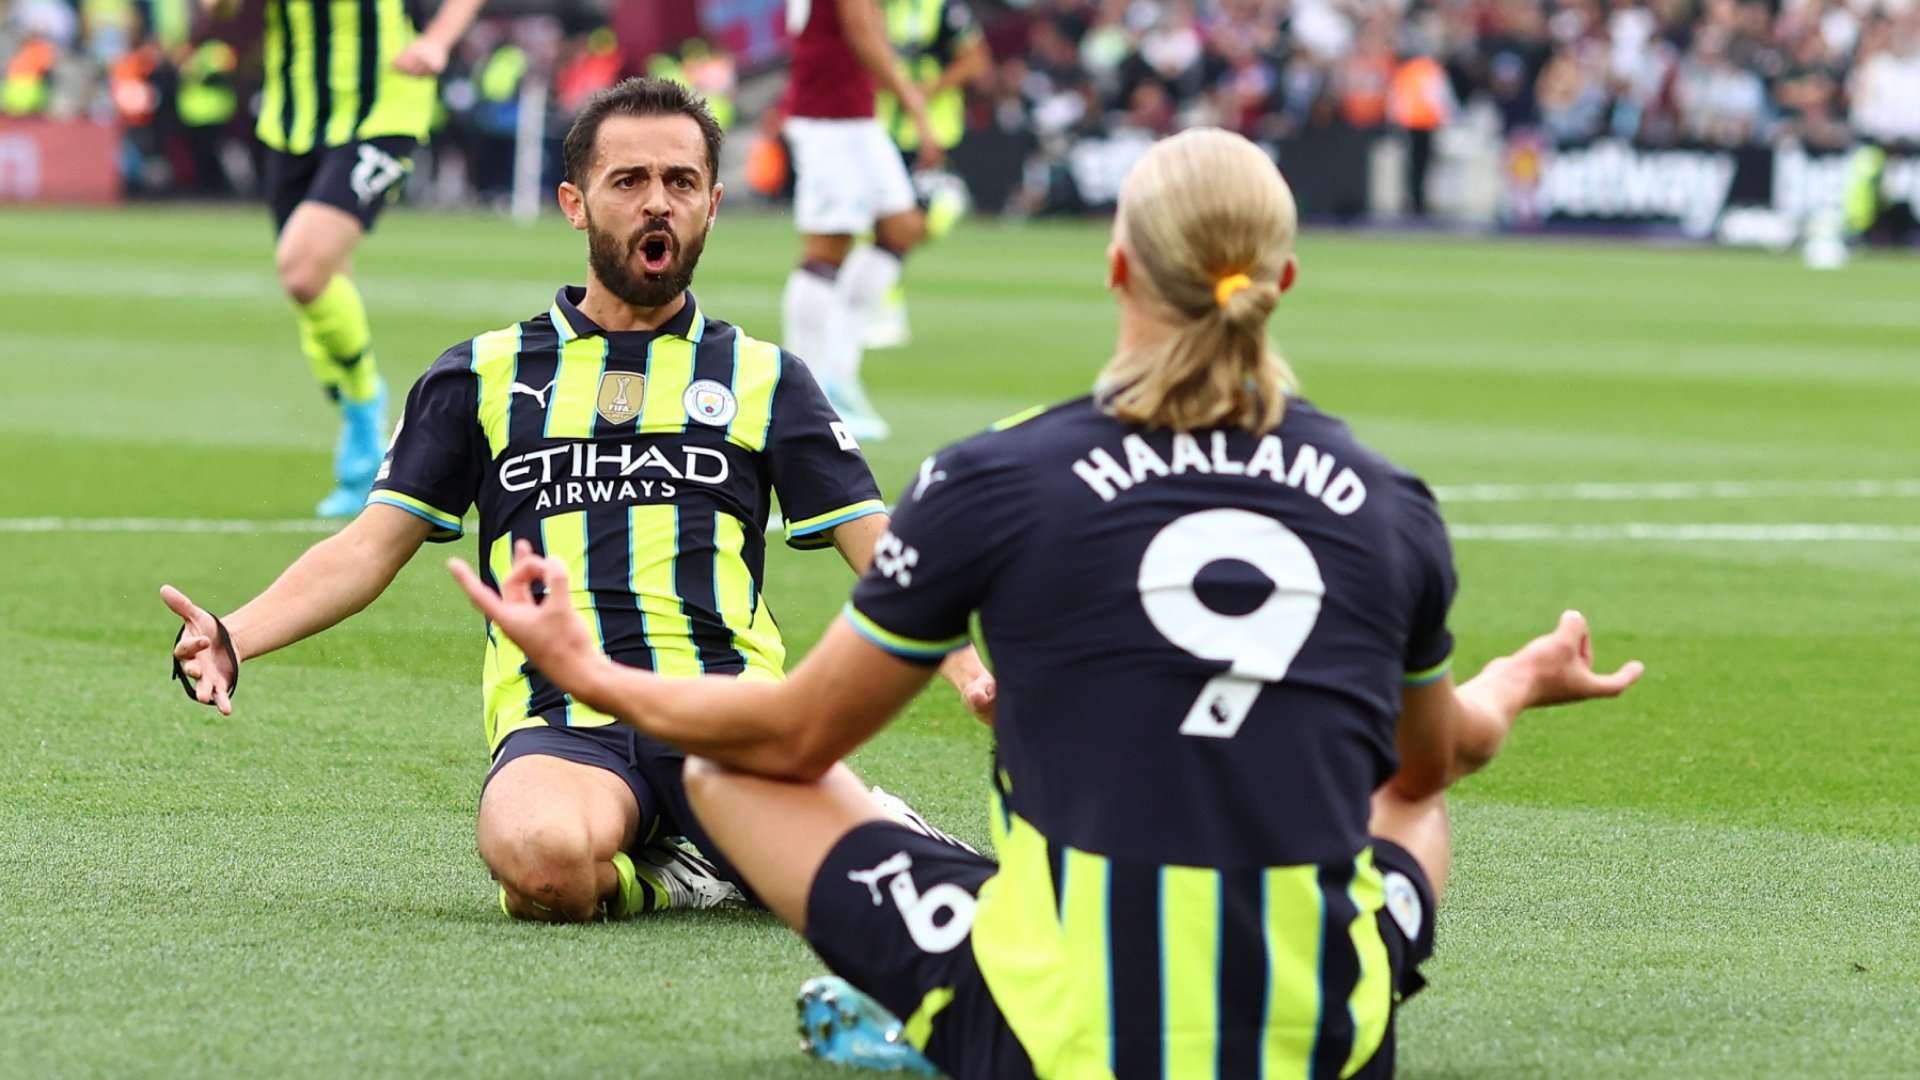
<point x="627" y="434"/>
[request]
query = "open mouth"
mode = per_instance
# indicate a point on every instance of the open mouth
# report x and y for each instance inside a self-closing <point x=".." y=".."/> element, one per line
<point x="656" y="252"/>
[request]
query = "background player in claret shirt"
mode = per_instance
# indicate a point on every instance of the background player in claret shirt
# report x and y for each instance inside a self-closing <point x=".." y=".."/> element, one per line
<point x="848" y="179"/>
<point x="349" y="92"/>
<point x="626" y="433"/>
<point x="1226" y="716"/>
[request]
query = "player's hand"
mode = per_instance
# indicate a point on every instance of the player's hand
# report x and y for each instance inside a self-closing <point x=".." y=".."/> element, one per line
<point x="1561" y="665"/>
<point x="979" y="690"/>
<point x="548" y="629"/>
<point x="422" y="56"/>
<point x="929" y="154"/>
<point x="200" y="653"/>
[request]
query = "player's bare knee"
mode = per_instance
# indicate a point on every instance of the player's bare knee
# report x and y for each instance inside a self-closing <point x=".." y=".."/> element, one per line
<point x="549" y="863"/>
<point x="703" y="781"/>
<point x="901" y="232"/>
<point x="825" y="249"/>
<point x="303" y="277"/>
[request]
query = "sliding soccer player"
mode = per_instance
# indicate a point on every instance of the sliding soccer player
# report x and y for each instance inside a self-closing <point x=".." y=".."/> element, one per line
<point x="1228" y="716"/>
<point x="628" y="434"/>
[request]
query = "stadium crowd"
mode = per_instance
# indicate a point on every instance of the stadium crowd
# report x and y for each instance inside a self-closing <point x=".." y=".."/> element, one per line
<point x="1718" y="72"/>
<point x="180" y="86"/>
<point x="1827" y="73"/>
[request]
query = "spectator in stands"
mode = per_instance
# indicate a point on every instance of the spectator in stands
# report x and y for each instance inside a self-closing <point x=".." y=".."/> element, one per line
<point x="1363" y="76"/>
<point x="1719" y="102"/>
<point x="1886" y="82"/>
<point x="1173" y="54"/>
<point x="1419" y="102"/>
<point x="1244" y="98"/>
<point x="1807" y="94"/>
<point x="1510" y="60"/>
<point x="1572" y="97"/>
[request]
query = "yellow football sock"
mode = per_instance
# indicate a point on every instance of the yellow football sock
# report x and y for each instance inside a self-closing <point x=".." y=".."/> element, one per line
<point x="337" y="340"/>
<point x="325" y="371"/>
<point x="641" y="893"/>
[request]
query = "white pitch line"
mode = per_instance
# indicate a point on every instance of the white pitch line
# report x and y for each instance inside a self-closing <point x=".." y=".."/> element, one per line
<point x="1657" y="532"/>
<point x="1660" y="532"/>
<point x="166" y="525"/>
<point x="1678" y="491"/>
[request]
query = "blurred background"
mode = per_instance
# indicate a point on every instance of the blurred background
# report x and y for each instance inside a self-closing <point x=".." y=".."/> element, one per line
<point x="1743" y="121"/>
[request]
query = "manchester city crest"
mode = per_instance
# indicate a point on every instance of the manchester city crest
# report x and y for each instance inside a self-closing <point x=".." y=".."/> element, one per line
<point x="710" y="402"/>
<point x="620" y="396"/>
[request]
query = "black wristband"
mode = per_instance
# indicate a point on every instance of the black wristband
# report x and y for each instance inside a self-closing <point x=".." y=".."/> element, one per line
<point x="233" y="658"/>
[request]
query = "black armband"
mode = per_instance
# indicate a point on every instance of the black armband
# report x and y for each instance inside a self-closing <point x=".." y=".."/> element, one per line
<point x="233" y="658"/>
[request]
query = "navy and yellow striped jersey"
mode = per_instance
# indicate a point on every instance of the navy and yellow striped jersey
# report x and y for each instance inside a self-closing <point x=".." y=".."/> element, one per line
<point x="646" y="461"/>
<point x="329" y="77"/>
<point x="1201" y="641"/>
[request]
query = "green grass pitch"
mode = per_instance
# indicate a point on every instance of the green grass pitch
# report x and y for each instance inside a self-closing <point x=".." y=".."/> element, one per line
<point x="1718" y="876"/>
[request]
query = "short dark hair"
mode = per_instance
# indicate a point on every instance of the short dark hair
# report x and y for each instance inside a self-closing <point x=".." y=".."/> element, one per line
<point x="638" y="97"/>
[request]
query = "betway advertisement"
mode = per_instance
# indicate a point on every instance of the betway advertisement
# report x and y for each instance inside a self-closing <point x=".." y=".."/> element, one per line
<point x="1611" y="182"/>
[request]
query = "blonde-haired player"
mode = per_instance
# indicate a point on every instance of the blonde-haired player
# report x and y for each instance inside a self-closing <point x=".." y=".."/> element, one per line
<point x="1226" y="715"/>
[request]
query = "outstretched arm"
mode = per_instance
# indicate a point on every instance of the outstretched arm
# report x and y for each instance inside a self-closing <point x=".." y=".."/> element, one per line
<point x="334" y="579"/>
<point x="839" y="696"/>
<point x="1447" y="732"/>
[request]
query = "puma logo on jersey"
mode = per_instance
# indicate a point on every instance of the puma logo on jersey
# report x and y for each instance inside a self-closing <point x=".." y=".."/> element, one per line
<point x="929" y="476"/>
<point x="898" y="863"/>
<point x="539" y="395"/>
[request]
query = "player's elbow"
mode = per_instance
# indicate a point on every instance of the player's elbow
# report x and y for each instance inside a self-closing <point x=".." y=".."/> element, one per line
<point x="802" y="758"/>
<point x="708" y="782"/>
<point x="801" y="750"/>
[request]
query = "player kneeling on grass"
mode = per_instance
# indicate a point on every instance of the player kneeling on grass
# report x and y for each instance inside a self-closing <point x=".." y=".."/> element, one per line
<point x="627" y="435"/>
<point x="1226" y="716"/>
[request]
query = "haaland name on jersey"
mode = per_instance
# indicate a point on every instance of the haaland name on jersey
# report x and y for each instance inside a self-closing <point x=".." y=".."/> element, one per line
<point x="1312" y="470"/>
<point x="573" y="474"/>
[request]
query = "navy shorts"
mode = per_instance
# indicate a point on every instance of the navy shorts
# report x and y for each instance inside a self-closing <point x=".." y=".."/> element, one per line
<point x="876" y="916"/>
<point x="882" y="916"/>
<point x="652" y="771"/>
<point x="360" y="178"/>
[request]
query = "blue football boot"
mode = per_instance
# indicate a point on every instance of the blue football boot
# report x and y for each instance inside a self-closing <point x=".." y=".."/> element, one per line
<point x="357" y="456"/>
<point x="839" y="1024"/>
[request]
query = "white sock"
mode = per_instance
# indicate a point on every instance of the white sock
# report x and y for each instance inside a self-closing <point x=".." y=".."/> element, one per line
<point x="866" y="278"/>
<point x="806" y="309"/>
<point x="839" y="353"/>
<point x="869" y="275"/>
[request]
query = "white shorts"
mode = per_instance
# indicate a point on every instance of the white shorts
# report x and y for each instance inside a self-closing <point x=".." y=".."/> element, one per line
<point x="847" y="175"/>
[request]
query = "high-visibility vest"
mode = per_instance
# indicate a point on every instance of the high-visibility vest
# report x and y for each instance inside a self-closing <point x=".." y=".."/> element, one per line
<point x="24" y="92"/>
<point x="1419" y="99"/>
<point x="670" y="67"/>
<point x="130" y="83"/>
<point x="172" y="21"/>
<point x="912" y="27"/>
<point x="501" y="74"/>
<point x="207" y="97"/>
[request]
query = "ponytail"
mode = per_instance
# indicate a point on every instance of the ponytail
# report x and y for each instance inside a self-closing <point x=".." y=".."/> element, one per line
<point x="1210" y="221"/>
<point x="1216" y="371"/>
